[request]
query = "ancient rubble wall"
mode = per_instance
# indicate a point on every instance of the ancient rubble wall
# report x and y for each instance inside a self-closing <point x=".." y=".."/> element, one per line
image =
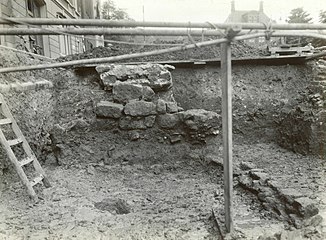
<point x="142" y="97"/>
<point x="302" y="128"/>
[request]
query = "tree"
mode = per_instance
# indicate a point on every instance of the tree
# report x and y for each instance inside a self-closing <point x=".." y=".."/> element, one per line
<point x="322" y="16"/>
<point x="111" y="12"/>
<point x="298" y="15"/>
<point x="317" y="42"/>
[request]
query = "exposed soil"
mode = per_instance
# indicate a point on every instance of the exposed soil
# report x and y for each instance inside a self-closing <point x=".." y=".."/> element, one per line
<point x="239" y="49"/>
<point x="151" y="189"/>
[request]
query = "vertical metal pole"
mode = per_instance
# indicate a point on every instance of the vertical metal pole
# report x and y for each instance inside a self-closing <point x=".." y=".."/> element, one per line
<point x="227" y="131"/>
<point x="144" y="20"/>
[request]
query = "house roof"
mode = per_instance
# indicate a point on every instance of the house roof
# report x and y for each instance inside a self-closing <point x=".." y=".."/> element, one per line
<point x="239" y="16"/>
<point x="248" y="16"/>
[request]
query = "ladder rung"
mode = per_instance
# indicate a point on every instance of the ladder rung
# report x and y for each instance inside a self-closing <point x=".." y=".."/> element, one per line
<point x="37" y="180"/>
<point x="14" y="141"/>
<point x="26" y="161"/>
<point x="5" y="121"/>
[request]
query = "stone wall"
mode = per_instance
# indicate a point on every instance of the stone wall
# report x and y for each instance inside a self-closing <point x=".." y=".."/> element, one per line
<point x="142" y="98"/>
<point x="302" y="129"/>
<point x="289" y="204"/>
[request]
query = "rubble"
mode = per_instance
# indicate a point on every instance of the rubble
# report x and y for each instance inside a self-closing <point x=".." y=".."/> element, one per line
<point x="286" y="203"/>
<point x="143" y="94"/>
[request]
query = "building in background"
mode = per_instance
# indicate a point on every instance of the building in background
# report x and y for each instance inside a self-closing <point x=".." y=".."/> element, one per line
<point x="50" y="45"/>
<point x="249" y="16"/>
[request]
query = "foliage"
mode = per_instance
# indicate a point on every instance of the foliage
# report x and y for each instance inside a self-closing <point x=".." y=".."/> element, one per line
<point x="298" y="15"/>
<point x="322" y="19"/>
<point x="111" y="12"/>
<point x="322" y="16"/>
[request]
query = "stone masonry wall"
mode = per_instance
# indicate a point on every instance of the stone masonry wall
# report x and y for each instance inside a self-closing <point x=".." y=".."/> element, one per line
<point x="319" y="126"/>
<point x="142" y="98"/>
<point x="303" y="127"/>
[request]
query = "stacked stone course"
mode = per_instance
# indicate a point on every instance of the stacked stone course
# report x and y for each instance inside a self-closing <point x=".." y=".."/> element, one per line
<point x="288" y="204"/>
<point x="303" y="129"/>
<point x="142" y="98"/>
<point x="319" y="127"/>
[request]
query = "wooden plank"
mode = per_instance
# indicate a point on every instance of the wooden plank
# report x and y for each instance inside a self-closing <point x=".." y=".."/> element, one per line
<point x="26" y="161"/>
<point x="37" y="180"/>
<point x="18" y="168"/>
<point x="5" y="121"/>
<point x="14" y="141"/>
<point x="226" y="79"/>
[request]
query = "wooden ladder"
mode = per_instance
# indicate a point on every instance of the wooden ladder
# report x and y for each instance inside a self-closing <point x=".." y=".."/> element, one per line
<point x="30" y="159"/>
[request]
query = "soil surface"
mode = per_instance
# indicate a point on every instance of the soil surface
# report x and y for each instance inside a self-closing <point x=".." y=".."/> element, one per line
<point x="239" y="49"/>
<point x="152" y="189"/>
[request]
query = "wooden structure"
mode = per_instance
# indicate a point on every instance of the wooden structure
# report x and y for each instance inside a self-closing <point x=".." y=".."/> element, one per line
<point x="39" y="174"/>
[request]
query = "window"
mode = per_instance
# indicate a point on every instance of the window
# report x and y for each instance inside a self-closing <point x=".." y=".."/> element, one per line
<point x="78" y="6"/>
<point x="30" y="7"/>
<point x="34" y="6"/>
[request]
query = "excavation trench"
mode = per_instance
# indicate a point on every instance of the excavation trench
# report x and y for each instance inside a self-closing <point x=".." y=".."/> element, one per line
<point x="153" y="168"/>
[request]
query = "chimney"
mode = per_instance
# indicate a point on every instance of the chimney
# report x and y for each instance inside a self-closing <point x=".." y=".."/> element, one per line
<point x="232" y="6"/>
<point x="261" y="6"/>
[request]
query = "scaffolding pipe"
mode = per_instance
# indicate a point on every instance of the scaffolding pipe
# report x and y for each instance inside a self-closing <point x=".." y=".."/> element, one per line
<point x="106" y="31"/>
<point x="124" y="57"/>
<point x="27" y="53"/>
<point x="124" y="23"/>
<point x="149" y="32"/>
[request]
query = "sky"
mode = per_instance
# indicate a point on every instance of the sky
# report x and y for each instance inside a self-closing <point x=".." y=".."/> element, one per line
<point x="213" y="10"/>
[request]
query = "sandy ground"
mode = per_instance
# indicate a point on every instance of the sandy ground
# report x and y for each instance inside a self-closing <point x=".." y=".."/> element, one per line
<point x="166" y="197"/>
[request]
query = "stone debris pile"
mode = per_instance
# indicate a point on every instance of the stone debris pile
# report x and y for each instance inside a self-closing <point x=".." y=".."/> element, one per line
<point x="288" y="204"/>
<point x="142" y="97"/>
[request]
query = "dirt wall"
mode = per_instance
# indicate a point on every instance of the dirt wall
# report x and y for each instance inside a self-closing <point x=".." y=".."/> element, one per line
<point x="259" y="94"/>
<point x="32" y="108"/>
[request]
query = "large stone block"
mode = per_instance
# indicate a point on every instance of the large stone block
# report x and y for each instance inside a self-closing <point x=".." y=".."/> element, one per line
<point x="168" y="121"/>
<point x="200" y="120"/>
<point x="109" y="109"/>
<point x="306" y="207"/>
<point x="148" y="93"/>
<point x="161" y="106"/>
<point x="155" y="76"/>
<point x="171" y="107"/>
<point x="108" y="80"/>
<point x="132" y="123"/>
<point x="124" y="92"/>
<point x="149" y="121"/>
<point x="140" y="108"/>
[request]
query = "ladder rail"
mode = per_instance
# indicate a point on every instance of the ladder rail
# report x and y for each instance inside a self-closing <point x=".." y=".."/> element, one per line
<point x="29" y="152"/>
<point x="18" y="168"/>
<point x="26" y="147"/>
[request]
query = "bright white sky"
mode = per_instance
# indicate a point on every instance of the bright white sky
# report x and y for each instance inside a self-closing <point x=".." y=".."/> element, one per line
<point x="213" y="10"/>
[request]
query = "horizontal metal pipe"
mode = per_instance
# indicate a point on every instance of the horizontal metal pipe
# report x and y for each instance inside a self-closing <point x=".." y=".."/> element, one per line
<point x="124" y="23"/>
<point x="107" y="31"/>
<point x="140" y="32"/>
<point x="27" y="53"/>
